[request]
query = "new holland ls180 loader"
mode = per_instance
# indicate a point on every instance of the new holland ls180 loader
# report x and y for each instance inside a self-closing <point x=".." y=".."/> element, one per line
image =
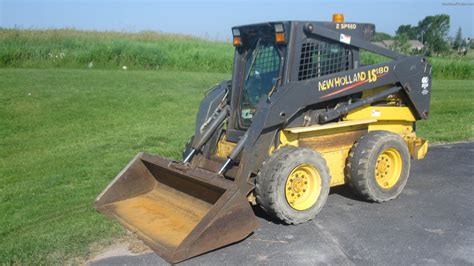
<point x="301" y="114"/>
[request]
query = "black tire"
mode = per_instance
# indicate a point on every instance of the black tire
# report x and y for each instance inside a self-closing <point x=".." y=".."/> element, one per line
<point x="271" y="184"/>
<point x="363" y="160"/>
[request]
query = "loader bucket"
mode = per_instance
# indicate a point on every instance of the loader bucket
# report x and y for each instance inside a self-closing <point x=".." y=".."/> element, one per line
<point x="177" y="210"/>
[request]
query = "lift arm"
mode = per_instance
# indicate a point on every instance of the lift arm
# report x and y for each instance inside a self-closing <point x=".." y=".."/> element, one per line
<point x="412" y="74"/>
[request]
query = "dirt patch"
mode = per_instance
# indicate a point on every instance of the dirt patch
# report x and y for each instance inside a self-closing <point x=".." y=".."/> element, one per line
<point x="128" y="245"/>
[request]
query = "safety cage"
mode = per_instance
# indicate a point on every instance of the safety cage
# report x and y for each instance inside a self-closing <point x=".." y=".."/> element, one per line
<point x="319" y="58"/>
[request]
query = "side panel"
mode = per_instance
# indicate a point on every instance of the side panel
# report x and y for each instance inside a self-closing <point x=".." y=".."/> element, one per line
<point x="384" y="112"/>
<point x="334" y="140"/>
<point x="333" y="144"/>
<point x="335" y="148"/>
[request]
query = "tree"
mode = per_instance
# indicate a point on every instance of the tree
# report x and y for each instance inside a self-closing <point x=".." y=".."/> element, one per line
<point x="381" y="36"/>
<point x="411" y="32"/>
<point x="458" y="40"/>
<point x="401" y="43"/>
<point x="434" y="31"/>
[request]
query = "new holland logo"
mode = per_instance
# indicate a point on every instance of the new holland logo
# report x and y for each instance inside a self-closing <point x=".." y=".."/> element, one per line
<point x="351" y="81"/>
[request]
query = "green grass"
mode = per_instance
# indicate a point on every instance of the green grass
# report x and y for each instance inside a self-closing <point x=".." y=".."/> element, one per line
<point x="68" y="48"/>
<point x="451" y="112"/>
<point x="64" y="134"/>
<point x="443" y="68"/>
<point x="455" y="68"/>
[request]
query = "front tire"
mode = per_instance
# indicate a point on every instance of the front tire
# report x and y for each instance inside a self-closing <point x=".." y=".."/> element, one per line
<point x="378" y="166"/>
<point x="293" y="184"/>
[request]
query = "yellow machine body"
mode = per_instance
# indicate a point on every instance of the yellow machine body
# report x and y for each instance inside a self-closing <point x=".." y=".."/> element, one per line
<point x="334" y="140"/>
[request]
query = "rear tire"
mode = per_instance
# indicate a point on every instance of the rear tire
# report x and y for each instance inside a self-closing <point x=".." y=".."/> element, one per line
<point x="378" y="166"/>
<point x="293" y="184"/>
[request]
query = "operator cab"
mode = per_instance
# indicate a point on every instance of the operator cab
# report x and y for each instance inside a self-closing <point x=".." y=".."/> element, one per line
<point x="261" y="68"/>
<point x="262" y="61"/>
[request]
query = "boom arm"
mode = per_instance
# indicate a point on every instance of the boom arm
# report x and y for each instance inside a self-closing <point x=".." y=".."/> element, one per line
<point x="336" y="36"/>
<point x="412" y="74"/>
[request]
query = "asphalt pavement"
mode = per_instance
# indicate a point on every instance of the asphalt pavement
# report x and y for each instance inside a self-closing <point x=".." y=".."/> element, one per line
<point x="432" y="222"/>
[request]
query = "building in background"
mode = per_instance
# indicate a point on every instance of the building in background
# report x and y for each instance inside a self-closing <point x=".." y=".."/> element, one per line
<point x="415" y="45"/>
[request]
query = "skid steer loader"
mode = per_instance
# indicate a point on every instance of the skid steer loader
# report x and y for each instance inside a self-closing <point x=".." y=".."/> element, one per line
<point x="301" y="114"/>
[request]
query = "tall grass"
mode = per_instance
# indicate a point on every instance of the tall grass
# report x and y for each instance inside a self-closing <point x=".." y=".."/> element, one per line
<point x="443" y="68"/>
<point x="452" y="68"/>
<point x="81" y="49"/>
<point x="67" y="48"/>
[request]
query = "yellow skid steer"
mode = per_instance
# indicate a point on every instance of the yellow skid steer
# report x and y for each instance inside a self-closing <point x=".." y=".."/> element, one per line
<point x="301" y="114"/>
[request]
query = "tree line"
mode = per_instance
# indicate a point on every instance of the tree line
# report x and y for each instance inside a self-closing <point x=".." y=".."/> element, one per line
<point x="432" y="32"/>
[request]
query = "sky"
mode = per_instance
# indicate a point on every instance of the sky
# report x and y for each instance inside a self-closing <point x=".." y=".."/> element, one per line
<point x="214" y="19"/>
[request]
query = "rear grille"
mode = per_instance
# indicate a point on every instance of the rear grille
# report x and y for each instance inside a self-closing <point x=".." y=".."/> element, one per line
<point x="322" y="58"/>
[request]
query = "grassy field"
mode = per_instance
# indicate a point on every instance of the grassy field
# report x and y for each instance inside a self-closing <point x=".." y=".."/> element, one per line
<point x="67" y="48"/>
<point x="150" y="50"/>
<point x="452" y="112"/>
<point x="65" y="134"/>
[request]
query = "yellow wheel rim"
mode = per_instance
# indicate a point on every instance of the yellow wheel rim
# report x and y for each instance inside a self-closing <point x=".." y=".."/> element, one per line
<point x="388" y="168"/>
<point x="303" y="187"/>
